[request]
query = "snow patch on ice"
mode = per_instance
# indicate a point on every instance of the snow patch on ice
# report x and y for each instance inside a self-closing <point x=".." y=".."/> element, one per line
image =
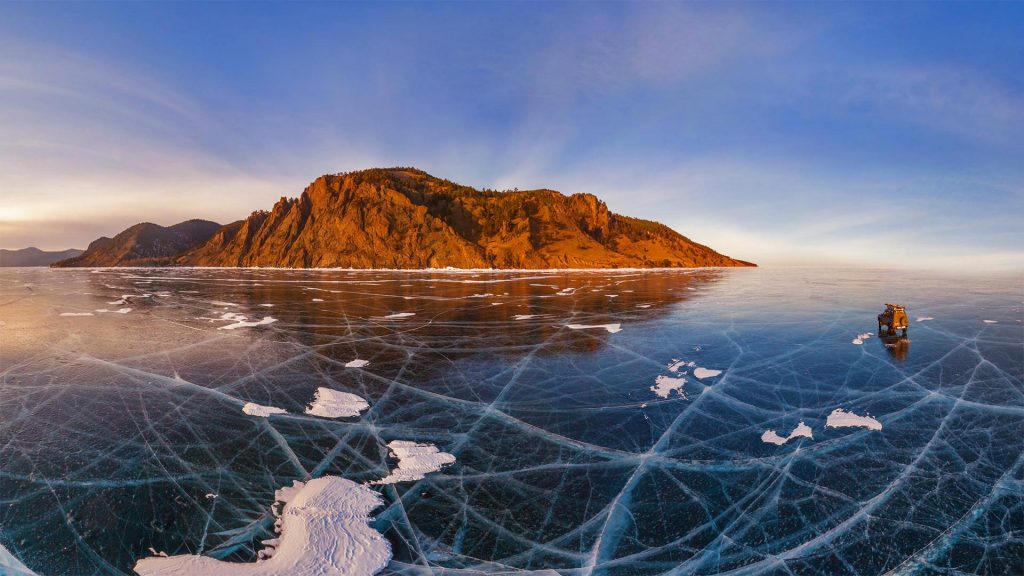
<point x="925" y="318"/>
<point x="840" y="418"/>
<point x="324" y="529"/>
<point x="333" y="404"/>
<point x="665" y="385"/>
<point x="356" y="363"/>
<point x="415" y="461"/>
<point x="801" y="431"/>
<point x="398" y="315"/>
<point x="861" y="338"/>
<point x="703" y="373"/>
<point x="76" y="314"/>
<point x="524" y="316"/>
<point x="253" y="409"/>
<point x="611" y="328"/>
<point x="990" y="321"/>
<point x="244" y="323"/>
<point x="677" y="364"/>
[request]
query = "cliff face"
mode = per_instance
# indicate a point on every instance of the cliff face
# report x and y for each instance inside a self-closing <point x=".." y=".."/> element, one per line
<point x="405" y="218"/>
<point x="144" y="244"/>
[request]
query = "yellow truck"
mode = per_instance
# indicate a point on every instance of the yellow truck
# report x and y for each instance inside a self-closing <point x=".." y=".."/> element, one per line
<point x="893" y="318"/>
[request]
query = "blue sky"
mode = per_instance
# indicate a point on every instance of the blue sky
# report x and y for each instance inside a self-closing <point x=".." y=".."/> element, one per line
<point x="780" y="133"/>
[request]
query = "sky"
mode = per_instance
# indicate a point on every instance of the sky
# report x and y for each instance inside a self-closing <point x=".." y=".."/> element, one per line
<point x="859" y="134"/>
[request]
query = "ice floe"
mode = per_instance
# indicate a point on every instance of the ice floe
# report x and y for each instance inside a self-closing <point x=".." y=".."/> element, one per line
<point x="665" y="385"/>
<point x="334" y="404"/>
<point x="611" y="328"/>
<point x="356" y="363"/>
<point x="415" y="461"/>
<point x="324" y="530"/>
<point x="253" y="409"/>
<point x="840" y="418"/>
<point x="801" y="431"/>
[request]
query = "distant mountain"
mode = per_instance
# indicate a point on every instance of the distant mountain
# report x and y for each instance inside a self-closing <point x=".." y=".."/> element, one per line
<point x="406" y="218"/>
<point x="34" y="256"/>
<point x="144" y="244"/>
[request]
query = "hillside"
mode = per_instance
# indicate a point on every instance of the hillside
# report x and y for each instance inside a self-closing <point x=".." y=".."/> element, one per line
<point x="405" y="218"/>
<point x="144" y="244"/>
<point x="34" y="256"/>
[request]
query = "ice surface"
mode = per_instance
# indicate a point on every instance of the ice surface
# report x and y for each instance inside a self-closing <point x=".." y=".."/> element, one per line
<point x="324" y="531"/>
<point x="334" y="404"/>
<point x="114" y="430"/>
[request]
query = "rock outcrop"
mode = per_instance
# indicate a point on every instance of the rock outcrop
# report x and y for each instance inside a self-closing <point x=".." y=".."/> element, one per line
<point x="405" y="218"/>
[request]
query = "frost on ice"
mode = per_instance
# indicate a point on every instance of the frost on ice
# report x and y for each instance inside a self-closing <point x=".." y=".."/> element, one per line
<point x="324" y="530"/>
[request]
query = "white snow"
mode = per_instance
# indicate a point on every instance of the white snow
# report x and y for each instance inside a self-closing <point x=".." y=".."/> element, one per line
<point x="487" y="295"/>
<point x="861" y="338"/>
<point x="801" y="431"/>
<point x="243" y="323"/>
<point x="703" y="373"/>
<point x="990" y="321"/>
<point x="643" y="305"/>
<point x="76" y="314"/>
<point x="415" y="461"/>
<point x="925" y="318"/>
<point x="318" y="299"/>
<point x="524" y="316"/>
<point x="840" y="418"/>
<point x="324" y="530"/>
<point x="665" y="385"/>
<point x="678" y="364"/>
<point x="400" y="315"/>
<point x="356" y="363"/>
<point x="611" y="328"/>
<point x="333" y="404"/>
<point x="253" y="409"/>
<point x="267" y="305"/>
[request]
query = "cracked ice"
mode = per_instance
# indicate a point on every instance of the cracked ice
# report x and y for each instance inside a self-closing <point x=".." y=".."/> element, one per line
<point x="115" y="429"/>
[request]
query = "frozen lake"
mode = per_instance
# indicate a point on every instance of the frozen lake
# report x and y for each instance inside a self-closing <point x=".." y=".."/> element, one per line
<point x="742" y="421"/>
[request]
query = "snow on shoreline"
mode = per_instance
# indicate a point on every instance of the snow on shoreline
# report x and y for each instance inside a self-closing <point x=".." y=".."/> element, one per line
<point x="840" y="418"/>
<point x="801" y="431"/>
<point x="324" y="529"/>
<point x="333" y="404"/>
<point x="415" y="461"/>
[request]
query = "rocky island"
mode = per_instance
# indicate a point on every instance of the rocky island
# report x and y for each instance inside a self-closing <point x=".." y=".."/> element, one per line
<point x="406" y="218"/>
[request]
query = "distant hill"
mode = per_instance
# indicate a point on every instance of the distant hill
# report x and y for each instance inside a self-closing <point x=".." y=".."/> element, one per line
<point x="144" y="244"/>
<point x="406" y="218"/>
<point x="34" y="256"/>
